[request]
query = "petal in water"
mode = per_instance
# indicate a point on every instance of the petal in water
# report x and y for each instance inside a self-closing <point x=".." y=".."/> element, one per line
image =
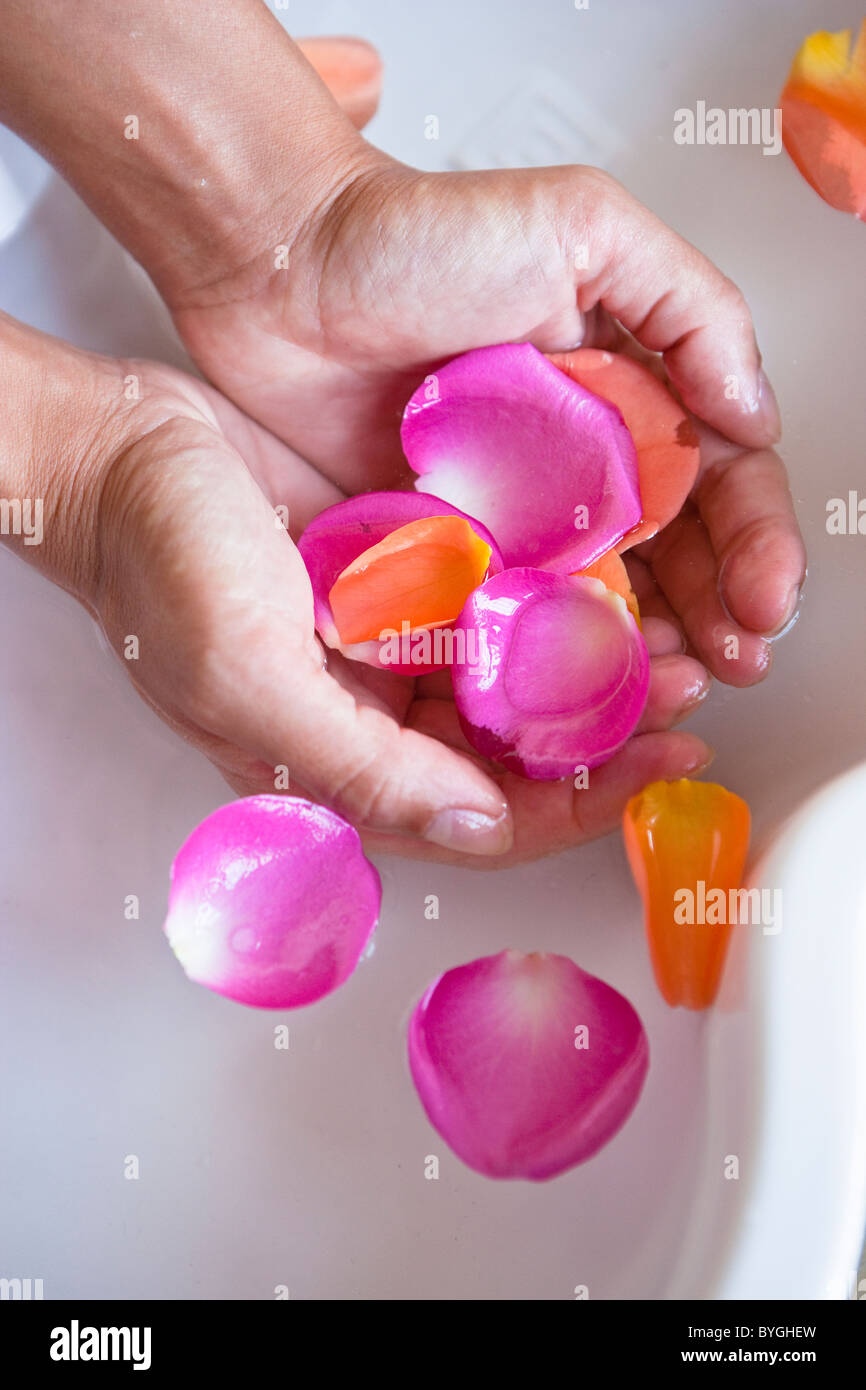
<point x="823" y="107"/>
<point x="667" y="446"/>
<point x="686" y="844"/>
<point x="548" y="467"/>
<point x="559" y="676"/>
<point x="272" y="902"/>
<point x="421" y="574"/>
<point x="332" y="544"/>
<point x="525" y="1064"/>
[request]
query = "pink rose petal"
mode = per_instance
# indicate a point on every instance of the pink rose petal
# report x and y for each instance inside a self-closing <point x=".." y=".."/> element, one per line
<point x="505" y="435"/>
<point x="272" y="902"/>
<point x="338" y="535"/>
<point x="559" y="672"/>
<point x="525" y="1064"/>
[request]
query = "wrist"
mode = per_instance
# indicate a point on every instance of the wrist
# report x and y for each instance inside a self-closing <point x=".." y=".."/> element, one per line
<point x="210" y="205"/>
<point x="262" y="226"/>
<point x="196" y="144"/>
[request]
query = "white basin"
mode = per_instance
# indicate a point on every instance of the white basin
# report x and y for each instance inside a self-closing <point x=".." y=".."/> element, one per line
<point x="304" y="1168"/>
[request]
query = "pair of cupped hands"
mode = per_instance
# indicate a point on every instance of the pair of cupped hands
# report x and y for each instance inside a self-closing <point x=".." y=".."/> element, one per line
<point x="164" y="506"/>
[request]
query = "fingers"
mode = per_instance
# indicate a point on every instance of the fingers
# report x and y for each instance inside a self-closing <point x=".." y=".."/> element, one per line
<point x="351" y="69"/>
<point x="664" y="638"/>
<point x="601" y="330"/>
<point x="678" y="684"/>
<point x="685" y="566"/>
<point x="677" y="302"/>
<point x="266" y="691"/>
<point x="414" y="771"/>
<point x="553" y="816"/>
<point x="548" y="816"/>
<point x="598" y="808"/>
<point x="730" y="568"/>
<point x="221" y="605"/>
<point x="662" y="629"/>
<point x="745" y="502"/>
<point x="746" y="506"/>
<point x="357" y="759"/>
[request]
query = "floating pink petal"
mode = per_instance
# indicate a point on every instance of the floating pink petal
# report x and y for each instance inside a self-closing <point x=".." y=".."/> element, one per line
<point x="549" y="467"/>
<point x="272" y="902"/>
<point x="341" y="533"/>
<point x="558" y="672"/>
<point x="525" y="1064"/>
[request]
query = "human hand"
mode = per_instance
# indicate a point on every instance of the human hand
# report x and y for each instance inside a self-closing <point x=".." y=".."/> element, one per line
<point x="389" y="272"/>
<point x="161" y="517"/>
<point x="316" y="281"/>
<point x="404" y="270"/>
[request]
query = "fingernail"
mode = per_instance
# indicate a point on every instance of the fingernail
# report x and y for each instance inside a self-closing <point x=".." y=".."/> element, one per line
<point x="790" y="614"/>
<point x="702" y="761"/>
<point x="471" y="832"/>
<point x="767" y="406"/>
<point x="695" y="697"/>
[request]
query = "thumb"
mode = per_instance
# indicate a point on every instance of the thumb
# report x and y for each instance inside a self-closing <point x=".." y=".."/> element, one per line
<point x="219" y="597"/>
<point x="224" y="606"/>
<point x="359" y="760"/>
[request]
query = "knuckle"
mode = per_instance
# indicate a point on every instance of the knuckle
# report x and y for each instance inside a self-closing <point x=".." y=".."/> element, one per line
<point x="735" y="301"/>
<point x="364" y="794"/>
<point x="598" y="181"/>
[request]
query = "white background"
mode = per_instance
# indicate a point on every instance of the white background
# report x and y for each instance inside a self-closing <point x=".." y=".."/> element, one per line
<point x="306" y="1167"/>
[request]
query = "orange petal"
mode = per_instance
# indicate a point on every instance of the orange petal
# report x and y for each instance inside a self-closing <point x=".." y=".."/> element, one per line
<point x="421" y="574"/>
<point x="665" y="440"/>
<point x="823" y="107"/>
<point x="609" y="568"/>
<point x="684" y="840"/>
